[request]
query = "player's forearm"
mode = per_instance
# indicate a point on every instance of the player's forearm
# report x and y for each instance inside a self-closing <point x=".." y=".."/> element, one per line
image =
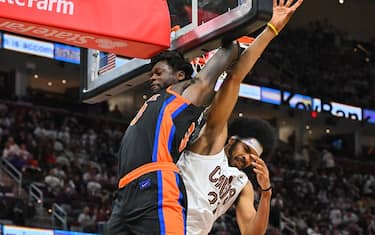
<point x="224" y="56"/>
<point x="203" y="88"/>
<point x="250" y="56"/>
<point x="260" y="222"/>
<point x="222" y="106"/>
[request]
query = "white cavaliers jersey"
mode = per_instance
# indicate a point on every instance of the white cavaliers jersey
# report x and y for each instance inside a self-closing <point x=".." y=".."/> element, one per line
<point x="212" y="187"/>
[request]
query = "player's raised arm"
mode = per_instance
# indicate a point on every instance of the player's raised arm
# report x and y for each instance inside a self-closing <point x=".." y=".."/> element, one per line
<point x="281" y="16"/>
<point x="214" y="133"/>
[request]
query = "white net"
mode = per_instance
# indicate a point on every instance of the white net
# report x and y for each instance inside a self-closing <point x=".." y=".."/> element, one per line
<point x="198" y="63"/>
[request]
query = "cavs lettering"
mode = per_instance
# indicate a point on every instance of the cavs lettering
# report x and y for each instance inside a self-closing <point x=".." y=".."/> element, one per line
<point x="223" y="185"/>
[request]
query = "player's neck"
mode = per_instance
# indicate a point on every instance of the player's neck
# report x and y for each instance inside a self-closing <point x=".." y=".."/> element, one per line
<point x="226" y="148"/>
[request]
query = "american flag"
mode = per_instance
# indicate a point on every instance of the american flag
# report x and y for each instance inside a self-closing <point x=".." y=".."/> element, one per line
<point x="107" y="62"/>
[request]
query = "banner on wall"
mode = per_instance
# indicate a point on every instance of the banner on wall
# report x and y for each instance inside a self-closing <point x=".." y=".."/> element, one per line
<point x="250" y="91"/>
<point x="62" y="232"/>
<point x="303" y="102"/>
<point x="369" y="115"/>
<point x="271" y="96"/>
<point x="55" y="51"/>
<point x="18" y="230"/>
<point x="123" y="27"/>
<point x="67" y="53"/>
<point x="27" y="45"/>
<point x="338" y="109"/>
<point x="297" y="101"/>
<point x="246" y="90"/>
<point x="15" y="230"/>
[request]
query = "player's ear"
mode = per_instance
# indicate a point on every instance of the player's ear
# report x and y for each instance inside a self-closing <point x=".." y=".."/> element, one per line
<point x="181" y="75"/>
<point x="231" y="140"/>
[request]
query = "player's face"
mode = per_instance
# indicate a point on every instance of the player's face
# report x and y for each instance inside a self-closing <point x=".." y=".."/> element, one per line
<point x="241" y="155"/>
<point x="162" y="76"/>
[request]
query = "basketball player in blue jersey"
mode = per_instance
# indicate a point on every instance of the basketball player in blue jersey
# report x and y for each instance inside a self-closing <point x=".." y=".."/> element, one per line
<point x="211" y="170"/>
<point x="151" y="197"/>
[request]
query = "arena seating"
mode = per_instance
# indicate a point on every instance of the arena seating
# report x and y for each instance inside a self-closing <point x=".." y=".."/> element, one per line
<point x="322" y="62"/>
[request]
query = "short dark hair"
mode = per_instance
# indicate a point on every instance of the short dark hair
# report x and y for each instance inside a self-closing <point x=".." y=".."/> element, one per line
<point x="255" y="128"/>
<point x="176" y="60"/>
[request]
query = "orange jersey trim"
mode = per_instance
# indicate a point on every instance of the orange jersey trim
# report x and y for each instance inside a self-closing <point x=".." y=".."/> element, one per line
<point x="144" y="169"/>
<point x="163" y="154"/>
<point x="170" y="91"/>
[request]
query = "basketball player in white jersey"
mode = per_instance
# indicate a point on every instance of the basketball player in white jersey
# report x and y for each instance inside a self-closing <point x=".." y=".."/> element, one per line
<point x="211" y="170"/>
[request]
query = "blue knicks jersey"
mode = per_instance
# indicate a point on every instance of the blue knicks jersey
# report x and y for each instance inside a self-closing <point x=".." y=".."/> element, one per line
<point x="159" y="132"/>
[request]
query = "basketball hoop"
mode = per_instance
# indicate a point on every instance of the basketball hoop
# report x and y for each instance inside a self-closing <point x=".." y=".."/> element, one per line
<point x="245" y="41"/>
<point x="199" y="62"/>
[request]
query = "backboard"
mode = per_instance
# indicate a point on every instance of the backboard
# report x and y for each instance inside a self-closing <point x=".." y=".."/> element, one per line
<point x="197" y="26"/>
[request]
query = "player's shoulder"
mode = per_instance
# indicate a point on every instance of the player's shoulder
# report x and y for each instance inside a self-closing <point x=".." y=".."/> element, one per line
<point x="179" y="87"/>
<point x="219" y="157"/>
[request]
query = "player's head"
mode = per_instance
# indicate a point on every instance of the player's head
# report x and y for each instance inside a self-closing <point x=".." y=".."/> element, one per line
<point x="168" y="68"/>
<point x="249" y="136"/>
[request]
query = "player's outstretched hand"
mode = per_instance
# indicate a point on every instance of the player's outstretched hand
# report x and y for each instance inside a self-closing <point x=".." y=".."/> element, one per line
<point x="283" y="10"/>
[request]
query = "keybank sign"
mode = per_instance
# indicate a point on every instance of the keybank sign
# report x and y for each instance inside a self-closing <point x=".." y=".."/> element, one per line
<point x="314" y="104"/>
<point x="303" y="102"/>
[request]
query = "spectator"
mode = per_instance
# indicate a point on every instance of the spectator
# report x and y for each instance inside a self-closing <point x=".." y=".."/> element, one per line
<point x="277" y="205"/>
<point x="86" y="220"/>
<point x="328" y="159"/>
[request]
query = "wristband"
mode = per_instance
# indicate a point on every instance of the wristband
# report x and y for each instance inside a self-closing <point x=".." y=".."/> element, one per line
<point x="267" y="189"/>
<point x="273" y="28"/>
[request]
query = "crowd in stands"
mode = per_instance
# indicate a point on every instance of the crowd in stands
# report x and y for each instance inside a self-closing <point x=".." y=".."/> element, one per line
<point x="12" y="206"/>
<point x="72" y="159"/>
<point x="320" y="61"/>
